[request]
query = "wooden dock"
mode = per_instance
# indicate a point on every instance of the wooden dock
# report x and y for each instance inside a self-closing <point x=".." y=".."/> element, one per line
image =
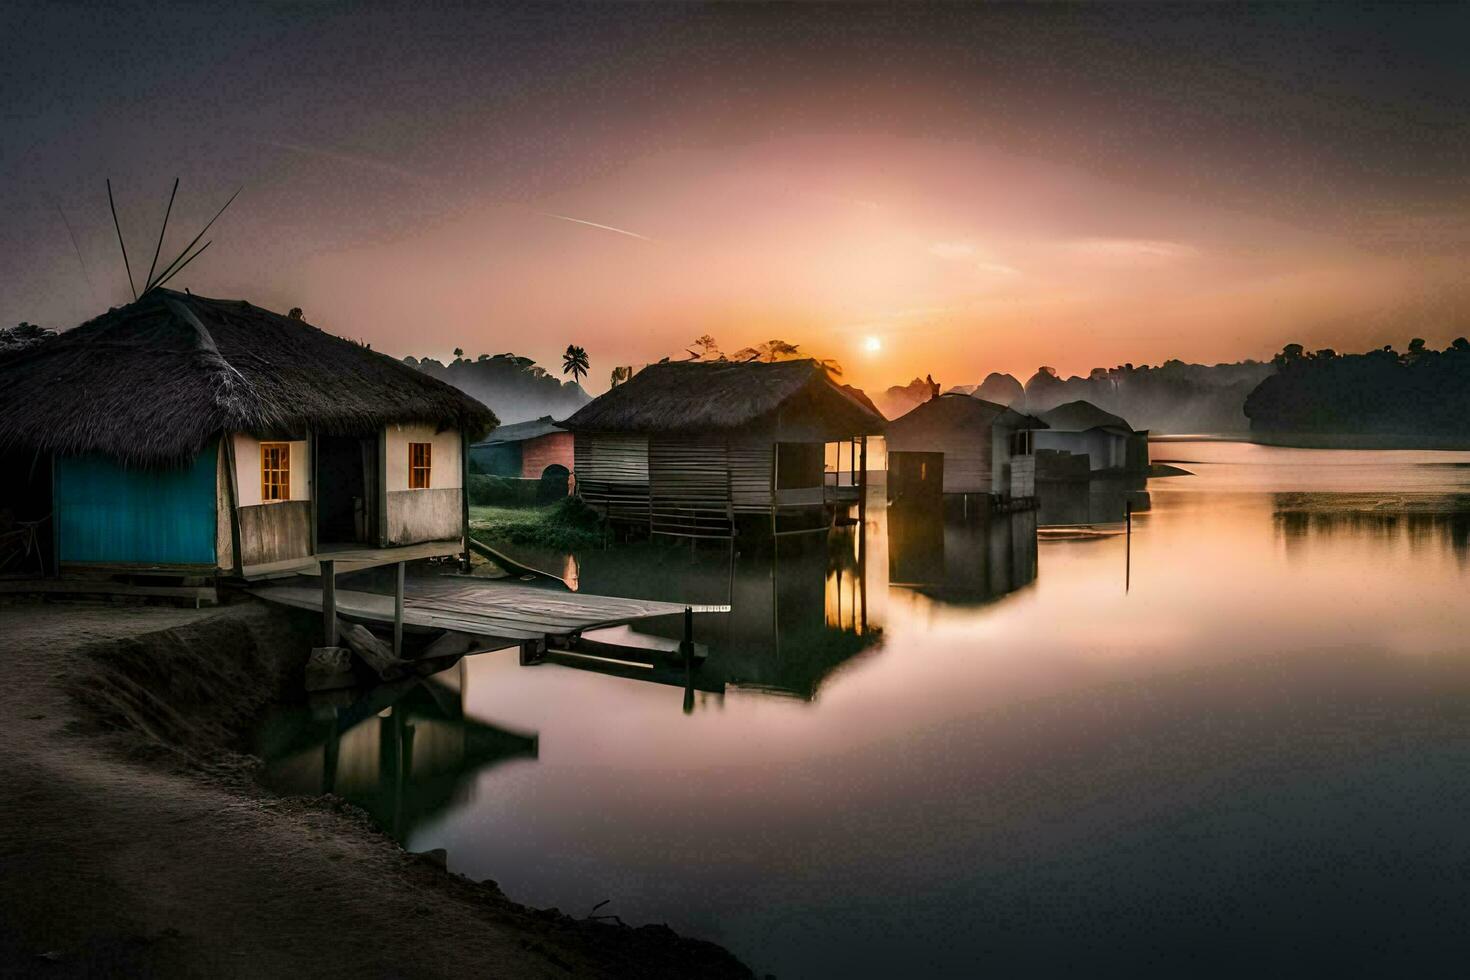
<point x="493" y="608"/>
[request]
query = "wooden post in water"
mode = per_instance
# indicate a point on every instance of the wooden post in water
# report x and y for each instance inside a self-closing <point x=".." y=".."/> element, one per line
<point x="1128" y="545"/>
<point x="329" y="602"/>
<point x="398" y="611"/>
<point x="686" y="648"/>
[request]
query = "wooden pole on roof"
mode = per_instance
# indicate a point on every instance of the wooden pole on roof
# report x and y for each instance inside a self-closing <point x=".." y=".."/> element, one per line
<point x="116" y="225"/>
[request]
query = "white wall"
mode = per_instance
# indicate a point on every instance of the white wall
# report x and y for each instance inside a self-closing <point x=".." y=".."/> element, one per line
<point x="444" y="465"/>
<point x="247" y="469"/>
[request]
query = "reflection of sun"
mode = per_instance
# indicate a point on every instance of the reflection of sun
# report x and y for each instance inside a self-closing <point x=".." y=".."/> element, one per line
<point x="872" y="345"/>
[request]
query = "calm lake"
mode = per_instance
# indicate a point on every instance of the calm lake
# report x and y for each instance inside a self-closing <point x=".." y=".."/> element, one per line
<point x="1239" y="740"/>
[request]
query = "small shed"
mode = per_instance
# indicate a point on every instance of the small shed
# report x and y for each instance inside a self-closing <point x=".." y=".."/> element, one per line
<point x="1110" y="443"/>
<point x="691" y="448"/>
<point x="978" y="447"/>
<point x="539" y="450"/>
<point x="191" y="436"/>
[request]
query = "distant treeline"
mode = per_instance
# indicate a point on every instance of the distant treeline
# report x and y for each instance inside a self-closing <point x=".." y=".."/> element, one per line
<point x="1173" y="397"/>
<point x="515" y="388"/>
<point x="1419" y="392"/>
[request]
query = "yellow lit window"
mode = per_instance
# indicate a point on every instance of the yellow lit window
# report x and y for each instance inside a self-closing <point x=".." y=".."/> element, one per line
<point x="275" y="471"/>
<point x="418" y="465"/>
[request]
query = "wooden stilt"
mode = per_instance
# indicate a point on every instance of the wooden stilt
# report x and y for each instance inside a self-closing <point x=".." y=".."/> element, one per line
<point x="329" y="602"/>
<point x="398" y="610"/>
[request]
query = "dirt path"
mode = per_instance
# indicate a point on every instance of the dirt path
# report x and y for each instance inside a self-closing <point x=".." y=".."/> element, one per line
<point x="110" y="866"/>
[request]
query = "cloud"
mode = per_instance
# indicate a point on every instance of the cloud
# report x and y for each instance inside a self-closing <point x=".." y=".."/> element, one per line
<point x="1132" y="251"/>
<point x="952" y="250"/>
<point x="998" y="269"/>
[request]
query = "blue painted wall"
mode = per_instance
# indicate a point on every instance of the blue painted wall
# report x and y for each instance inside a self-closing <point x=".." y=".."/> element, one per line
<point x="114" y="514"/>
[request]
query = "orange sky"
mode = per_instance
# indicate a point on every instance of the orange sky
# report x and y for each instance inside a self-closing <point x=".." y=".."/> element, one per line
<point x="978" y="189"/>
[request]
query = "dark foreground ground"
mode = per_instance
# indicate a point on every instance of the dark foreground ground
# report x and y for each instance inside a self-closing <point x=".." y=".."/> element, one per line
<point x="133" y="842"/>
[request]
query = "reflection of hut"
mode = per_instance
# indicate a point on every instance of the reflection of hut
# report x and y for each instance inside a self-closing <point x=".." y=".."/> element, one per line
<point x="405" y="753"/>
<point x="193" y="436"/>
<point x="798" y="611"/>
<point x="961" y="561"/>
<point x="1083" y="429"/>
<point x="539" y="450"/>
<point x="689" y="448"/>
<point x="985" y="448"/>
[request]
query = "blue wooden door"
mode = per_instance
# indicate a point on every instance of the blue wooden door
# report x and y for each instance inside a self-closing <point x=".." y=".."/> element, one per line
<point x="112" y="514"/>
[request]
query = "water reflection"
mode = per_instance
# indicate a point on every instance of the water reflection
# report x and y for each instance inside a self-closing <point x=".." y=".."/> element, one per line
<point x="1097" y="501"/>
<point x="800" y="606"/>
<point x="960" y="560"/>
<point x="1419" y="519"/>
<point x="405" y="751"/>
<point x="1256" y="761"/>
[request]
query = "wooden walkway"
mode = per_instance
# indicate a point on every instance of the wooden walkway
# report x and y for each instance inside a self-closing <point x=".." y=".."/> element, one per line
<point x="486" y="608"/>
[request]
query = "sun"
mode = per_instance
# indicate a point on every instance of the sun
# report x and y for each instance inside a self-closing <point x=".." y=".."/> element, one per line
<point x="872" y="345"/>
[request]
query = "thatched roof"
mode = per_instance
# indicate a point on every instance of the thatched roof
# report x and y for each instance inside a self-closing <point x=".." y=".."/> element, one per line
<point x="1081" y="415"/>
<point x="953" y="411"/>
<point x="154" y="381"/>
<point x="700" y="396"/>
<point x="521" y="431"/>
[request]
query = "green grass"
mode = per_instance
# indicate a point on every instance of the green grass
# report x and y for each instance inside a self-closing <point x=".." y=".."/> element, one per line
<point x="564" y="526"/>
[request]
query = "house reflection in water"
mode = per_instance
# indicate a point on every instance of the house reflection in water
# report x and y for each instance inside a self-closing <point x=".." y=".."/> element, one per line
<point x="405" y="752"/>
<point x="958" y="560"/>
<point x="1103" y="500"/>
<point x="801" y="606"/>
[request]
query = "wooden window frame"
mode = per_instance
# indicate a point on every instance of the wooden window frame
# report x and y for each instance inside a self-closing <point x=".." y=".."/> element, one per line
<point x="415" y="467"/>
<point x="282" y="472"/>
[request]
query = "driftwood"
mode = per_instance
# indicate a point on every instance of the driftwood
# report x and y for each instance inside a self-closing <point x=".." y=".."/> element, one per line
<point x="373" y="651"/>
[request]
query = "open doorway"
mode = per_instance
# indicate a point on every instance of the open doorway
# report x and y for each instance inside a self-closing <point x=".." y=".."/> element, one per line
<point x="347" y="490"/>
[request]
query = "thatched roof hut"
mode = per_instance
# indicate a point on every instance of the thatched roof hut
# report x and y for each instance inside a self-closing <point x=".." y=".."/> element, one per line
<point x="720" y="396"/>
<point x="156" y="380"/>
<point x="180" y="433"/>
<point x="687" y="446"/>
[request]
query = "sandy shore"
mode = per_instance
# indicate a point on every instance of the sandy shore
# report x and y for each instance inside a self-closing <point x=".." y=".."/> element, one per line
<point x="120" y="856"/>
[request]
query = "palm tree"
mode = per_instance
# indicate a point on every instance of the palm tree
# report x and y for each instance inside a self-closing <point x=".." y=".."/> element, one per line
<point x="574" y="362"/>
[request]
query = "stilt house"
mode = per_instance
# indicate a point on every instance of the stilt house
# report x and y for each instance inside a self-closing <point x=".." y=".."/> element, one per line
<point x="191" y="436"/>
<point x="960" y="444"/>
<point x="692" y="448"/>
<point x="1110" y="443"/>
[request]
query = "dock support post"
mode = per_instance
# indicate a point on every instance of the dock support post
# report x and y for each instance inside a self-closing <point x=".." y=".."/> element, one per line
<point x="686" y="647"/>
<point x="1128" y="545"/>
<point x="398" y="611"/>
<point x="329" y="602"/>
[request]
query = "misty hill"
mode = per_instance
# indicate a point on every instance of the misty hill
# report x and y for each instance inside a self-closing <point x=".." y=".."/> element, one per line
<point x="1173" y="397"/>
<point x="1418" y="393"/>
<point x="902" y="399"/>
<point x="515" y="388"/>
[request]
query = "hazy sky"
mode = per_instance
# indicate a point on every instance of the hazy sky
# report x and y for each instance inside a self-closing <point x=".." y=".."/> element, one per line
<point x="976" y="189"/>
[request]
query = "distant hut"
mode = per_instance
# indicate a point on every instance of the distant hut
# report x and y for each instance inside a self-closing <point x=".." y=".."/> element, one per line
<point x="691" y="448"/>
<point x="538" y="450"/>
<point x="960" y="444"/>
<point x="1109" y="442"/>
<point x="193" y="436"/>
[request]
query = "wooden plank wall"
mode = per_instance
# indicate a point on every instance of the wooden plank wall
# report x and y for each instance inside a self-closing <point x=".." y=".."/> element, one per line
<point x="689" y="488"/>
<point x="750" y="476"/>
<point x="275" y="531"/>
<point x="612" y="474"/>
<point x="415" y="516"/>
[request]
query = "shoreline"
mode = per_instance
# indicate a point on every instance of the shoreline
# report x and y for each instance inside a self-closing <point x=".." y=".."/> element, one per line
<point x="137" y="839"/>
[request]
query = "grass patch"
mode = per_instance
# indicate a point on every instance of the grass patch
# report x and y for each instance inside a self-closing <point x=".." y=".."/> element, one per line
<point x="566" y="525"/>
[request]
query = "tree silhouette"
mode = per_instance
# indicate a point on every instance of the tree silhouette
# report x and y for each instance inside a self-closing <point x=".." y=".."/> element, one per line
<point x="620" y="374"/>
<point x="574" y="362"/>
